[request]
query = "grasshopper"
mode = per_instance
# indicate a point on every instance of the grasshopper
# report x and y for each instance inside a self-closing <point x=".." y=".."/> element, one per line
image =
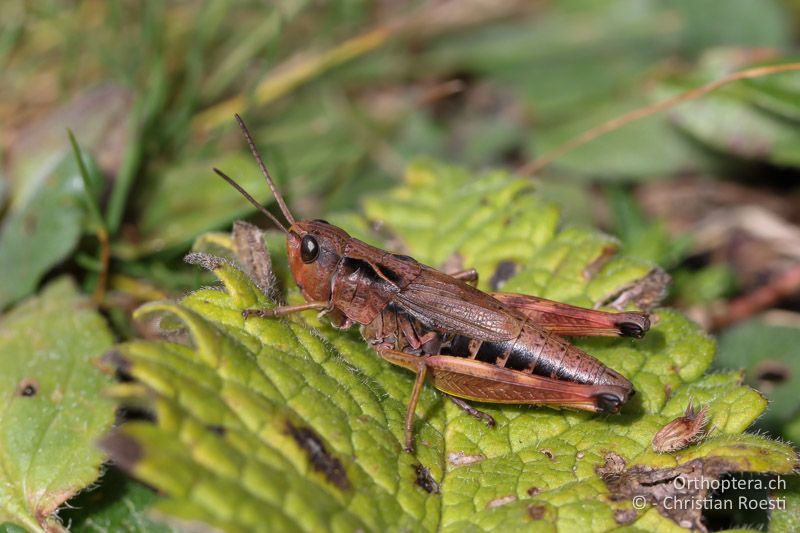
<point x="486" y="347"/>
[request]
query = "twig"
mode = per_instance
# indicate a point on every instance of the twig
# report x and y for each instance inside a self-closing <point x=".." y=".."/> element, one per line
<point x="781" y="286"/>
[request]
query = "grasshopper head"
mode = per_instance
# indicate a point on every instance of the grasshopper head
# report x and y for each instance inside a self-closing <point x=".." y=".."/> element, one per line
<point x="315" y="248"/>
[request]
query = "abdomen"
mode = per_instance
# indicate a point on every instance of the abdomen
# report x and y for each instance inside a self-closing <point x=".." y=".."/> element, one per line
<point x="539" y="352"/>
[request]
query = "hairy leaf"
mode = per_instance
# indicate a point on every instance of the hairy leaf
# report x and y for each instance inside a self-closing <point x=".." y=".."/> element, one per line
<point x="771" y="356"/>
<point x="290" y="424"/>
<point x="52" y="409"/>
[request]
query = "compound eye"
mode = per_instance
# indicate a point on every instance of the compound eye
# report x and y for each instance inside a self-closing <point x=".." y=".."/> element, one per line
<point x="309" y="249"/>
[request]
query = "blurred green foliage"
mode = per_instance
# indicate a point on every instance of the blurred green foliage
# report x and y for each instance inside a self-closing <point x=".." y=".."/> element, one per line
<point x="771" y="353"/>
<point x="491" y="87"/>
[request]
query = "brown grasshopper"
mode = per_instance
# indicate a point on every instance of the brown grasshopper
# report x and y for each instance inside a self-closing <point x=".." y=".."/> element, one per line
<point x="496" y="348"/>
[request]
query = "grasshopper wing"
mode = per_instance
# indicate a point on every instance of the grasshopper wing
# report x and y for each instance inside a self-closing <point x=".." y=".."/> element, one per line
<point x="566" y="320"/>
<point x="450" y="305"/>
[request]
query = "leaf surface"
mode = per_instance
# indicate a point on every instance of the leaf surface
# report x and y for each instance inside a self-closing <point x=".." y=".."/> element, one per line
<point x="770" y="355"/>
<point x="53" y="409"/>
<point x="290" y="424"/>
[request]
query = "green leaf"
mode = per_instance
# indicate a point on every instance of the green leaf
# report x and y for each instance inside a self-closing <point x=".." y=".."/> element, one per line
<point x="117" y="503"/>
<point x="777" y="94"/>
<point x="290" y="424"/>
<point x="787" y="519"/>
<point x="731" y="126"/>
<point x="53" y="410"/>
<point x="741" y="24"/>
<point x="771" y="356"/>
<point x="647" y="149"/>
<point x="747" y="120"/>
<point x="41" y="229"/>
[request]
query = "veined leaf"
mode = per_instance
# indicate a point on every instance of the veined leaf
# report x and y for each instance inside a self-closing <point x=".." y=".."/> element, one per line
<point x="52" y="409"/>
<point x="267" y="424"/>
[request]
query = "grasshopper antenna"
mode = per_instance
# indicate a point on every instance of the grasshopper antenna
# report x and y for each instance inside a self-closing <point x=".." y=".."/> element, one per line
<point x="272" y="187"/>
<point x="250" y="199"/>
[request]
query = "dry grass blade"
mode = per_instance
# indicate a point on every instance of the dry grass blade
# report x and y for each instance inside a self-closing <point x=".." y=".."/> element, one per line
<point x="292" y="74"/>
<point x="429" y="19"/>
<point x="643" y="112"/>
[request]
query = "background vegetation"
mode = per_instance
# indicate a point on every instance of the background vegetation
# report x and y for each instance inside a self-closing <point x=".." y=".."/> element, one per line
<point x="342" y="97"/>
